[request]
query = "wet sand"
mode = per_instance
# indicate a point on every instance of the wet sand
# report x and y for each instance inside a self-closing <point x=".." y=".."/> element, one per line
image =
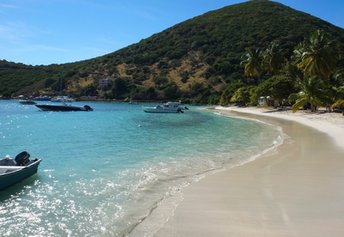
<point x="297" y="190"/>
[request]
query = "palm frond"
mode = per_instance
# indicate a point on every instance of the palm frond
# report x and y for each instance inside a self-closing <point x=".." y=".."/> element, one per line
<point x="298" y="104"/>
<point x="338" y="104"/>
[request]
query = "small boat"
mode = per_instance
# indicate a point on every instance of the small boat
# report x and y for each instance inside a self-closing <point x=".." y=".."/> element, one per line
<point x="169" y="107"/>
<point x="42" y="98"/>
<point x="14" y="171"/>
<point x="62" y="99"/>
<point x="27" y="102"/>
<point x="64" y="108"/>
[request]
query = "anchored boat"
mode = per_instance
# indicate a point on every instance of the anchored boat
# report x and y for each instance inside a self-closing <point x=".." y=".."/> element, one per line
<point x="169" y="107"/>
<point x="14" y="171"/>
<point x="64" y="108"/>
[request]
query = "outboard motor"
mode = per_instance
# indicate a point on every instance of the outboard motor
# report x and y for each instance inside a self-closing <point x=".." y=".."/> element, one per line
<point x="22" y="158"/>
<point x="88" y="108"/>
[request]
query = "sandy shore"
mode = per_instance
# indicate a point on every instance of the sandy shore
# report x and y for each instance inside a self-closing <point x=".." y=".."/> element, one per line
<point x="330" y="123"/>
<point x="298" y="190"/>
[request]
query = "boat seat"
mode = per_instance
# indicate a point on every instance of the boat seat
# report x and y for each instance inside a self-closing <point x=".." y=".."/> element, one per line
<point x="7" y="162"/>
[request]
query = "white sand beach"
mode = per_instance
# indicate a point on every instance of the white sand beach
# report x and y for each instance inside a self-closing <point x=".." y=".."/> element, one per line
<point x="297" y="190"/>
<point x="330" y="123"/>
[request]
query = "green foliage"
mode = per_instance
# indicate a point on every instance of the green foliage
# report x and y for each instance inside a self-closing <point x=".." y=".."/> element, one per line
<point x="337" y="85"/>
<point x="59" y="85"/>
<point x="317" y="56"/>
<point x="313" y="92"/>
<point x="160" y="81"/>
<point x="199" y="93"/>
<point x="242" y="95"/>
<point x="214" y="99"/>
<point x="90" y="90"/>
<point x="228" y="92"/>
<point x="273" y="58"/>
<point x="120" y="88"/>
<point x="151" y="93"/>
<point x="49" y="82"/>
<point x="196" y="88"/>
<point x="171" y="91"/>
<point x="223" y="66"/>
<point x="142" y="93"/>
<point x="278" y="87"/>
<point x="163" y="64"/>
<point x="14" y="78"/>
<point x="185" y="76"/>
<point x="252" y="61"/>
<point x="339" y="104"/>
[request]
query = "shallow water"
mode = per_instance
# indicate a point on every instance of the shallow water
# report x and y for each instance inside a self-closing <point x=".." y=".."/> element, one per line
<point x="104" y="171"/>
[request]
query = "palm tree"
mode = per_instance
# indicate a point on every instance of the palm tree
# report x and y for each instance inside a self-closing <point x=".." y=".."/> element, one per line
<point x="317" y="56"/>
<point x="252" y="63"/>
<point x="336" y="88"/>
<point x="312" y="93"/>
<point x="339" y="104"/>
<point x="273" y="58"/>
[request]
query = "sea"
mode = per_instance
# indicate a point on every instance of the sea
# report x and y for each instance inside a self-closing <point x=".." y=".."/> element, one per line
<point x="104" y="172"/>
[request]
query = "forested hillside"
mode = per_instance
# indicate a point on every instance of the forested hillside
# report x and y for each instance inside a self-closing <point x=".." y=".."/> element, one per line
<point x="196" y="60"/>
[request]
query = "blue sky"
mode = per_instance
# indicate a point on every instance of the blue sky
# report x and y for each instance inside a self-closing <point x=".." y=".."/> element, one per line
<point x="58" y="31"/>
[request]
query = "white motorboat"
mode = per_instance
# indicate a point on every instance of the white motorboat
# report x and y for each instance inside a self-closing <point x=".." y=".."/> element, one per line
<point x="63" y="98"/>
<point x="42" y="98"/>
<point x="169" y="107"/>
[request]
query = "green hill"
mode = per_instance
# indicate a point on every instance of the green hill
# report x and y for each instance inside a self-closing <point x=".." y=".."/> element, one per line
<point x="195" y="59"/>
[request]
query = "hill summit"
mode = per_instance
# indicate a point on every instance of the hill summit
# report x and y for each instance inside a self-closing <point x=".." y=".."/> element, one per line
<point x="193" y="60"/>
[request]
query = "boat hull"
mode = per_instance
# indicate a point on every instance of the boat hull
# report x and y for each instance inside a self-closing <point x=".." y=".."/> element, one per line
<point x="63" y="108"/>
<point x="11" y="175"/>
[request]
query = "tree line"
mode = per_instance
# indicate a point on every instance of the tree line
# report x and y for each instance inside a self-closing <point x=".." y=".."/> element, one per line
<point x="308" y="78"/>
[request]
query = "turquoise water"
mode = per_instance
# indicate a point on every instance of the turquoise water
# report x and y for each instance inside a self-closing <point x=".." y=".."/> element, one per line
<point x="104" y="171"/>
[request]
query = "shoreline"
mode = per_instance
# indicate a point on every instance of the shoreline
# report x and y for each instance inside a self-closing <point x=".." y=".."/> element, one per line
<point x="330" y="123"/>
<point x="223" y="205"/>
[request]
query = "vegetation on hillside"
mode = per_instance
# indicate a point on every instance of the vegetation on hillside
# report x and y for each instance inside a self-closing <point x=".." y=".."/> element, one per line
<point x="200" y="60"/>
<point x="311" y="77"/>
